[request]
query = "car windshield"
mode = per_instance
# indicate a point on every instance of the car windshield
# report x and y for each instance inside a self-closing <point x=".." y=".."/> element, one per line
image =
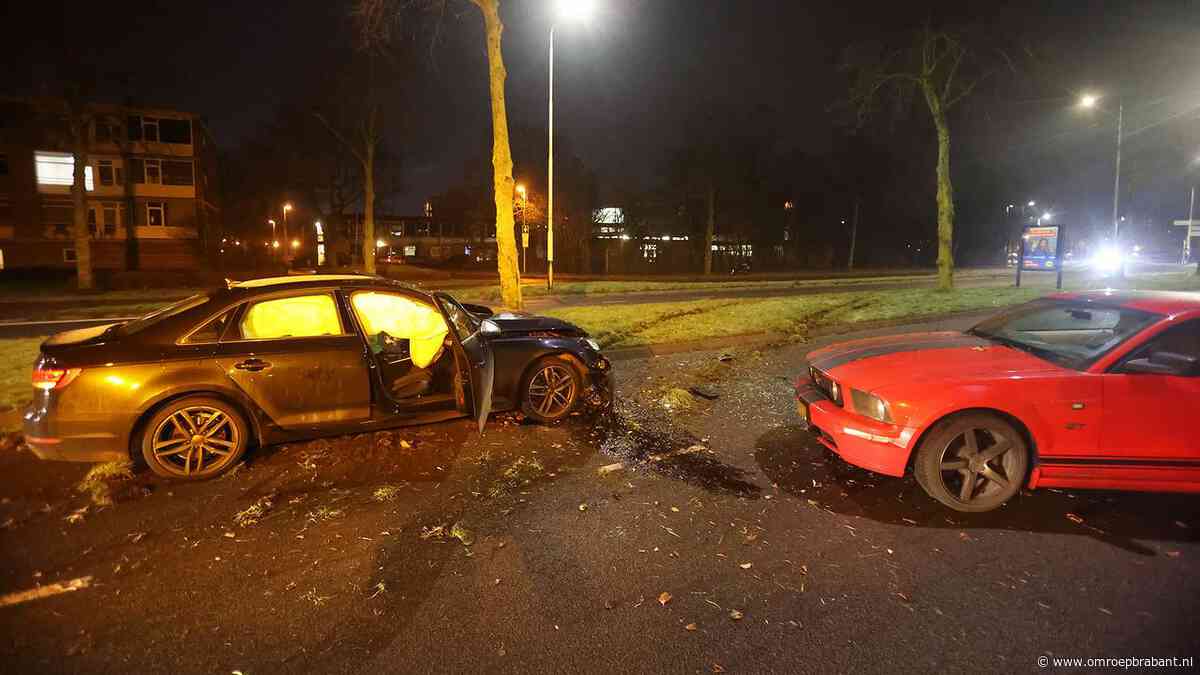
<point x="1070" y="333"/>
<point x="144" y="322"/>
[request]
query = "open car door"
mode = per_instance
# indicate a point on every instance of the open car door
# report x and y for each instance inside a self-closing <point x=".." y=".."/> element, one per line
<point x="478" y="352"/>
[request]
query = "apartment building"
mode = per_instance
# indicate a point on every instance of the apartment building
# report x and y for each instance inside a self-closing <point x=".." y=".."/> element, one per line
<point x="150" y="180"/>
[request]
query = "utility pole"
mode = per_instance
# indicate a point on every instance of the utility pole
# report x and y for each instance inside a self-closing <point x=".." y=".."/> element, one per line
<point x="1187" y="233"/>
<point x="853" y="235"/>
<point x="550" y="179"/>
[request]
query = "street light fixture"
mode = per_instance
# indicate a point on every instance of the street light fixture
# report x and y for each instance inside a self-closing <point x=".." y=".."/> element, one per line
<point x="1088" y="101"/>
<point x="572" y="11"/>
<point x="524" y="227"/>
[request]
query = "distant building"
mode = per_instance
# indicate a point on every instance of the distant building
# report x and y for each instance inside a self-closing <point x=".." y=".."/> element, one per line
<point x="423" y="239"/>
<point x="150" y="186"/>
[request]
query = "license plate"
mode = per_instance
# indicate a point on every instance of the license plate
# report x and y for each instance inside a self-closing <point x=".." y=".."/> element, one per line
<point x="802" y="411"/>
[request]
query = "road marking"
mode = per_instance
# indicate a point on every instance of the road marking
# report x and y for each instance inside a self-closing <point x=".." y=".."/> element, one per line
<point x="45" y="591"/>
<point x="53" y="322"/>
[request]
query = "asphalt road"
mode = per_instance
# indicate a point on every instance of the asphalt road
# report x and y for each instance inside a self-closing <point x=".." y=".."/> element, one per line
<point x="756" y="552"/>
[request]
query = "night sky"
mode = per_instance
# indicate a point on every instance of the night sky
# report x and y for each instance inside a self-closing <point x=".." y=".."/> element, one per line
<point x="630" y="80"/>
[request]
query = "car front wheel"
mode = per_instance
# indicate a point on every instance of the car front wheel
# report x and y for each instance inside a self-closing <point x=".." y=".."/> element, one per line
<point x="972" y="463"/>
<point x="194" y="438"/>
<point x="550" y="390"/>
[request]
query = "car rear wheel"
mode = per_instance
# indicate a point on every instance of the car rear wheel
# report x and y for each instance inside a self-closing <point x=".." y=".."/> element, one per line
<point x="194" y="438"/>
<point x="550" y="390"/>
<point x="972" y="462"/>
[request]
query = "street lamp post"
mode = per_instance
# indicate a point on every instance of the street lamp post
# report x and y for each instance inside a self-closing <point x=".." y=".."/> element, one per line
<point x="524" y="228"/>
<point x="273" y="237"/>
<point x="287" y="256"/>
<point x="1089" y="101"/>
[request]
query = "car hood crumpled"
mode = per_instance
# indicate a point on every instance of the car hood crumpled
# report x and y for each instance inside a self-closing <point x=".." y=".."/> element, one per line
<point x="520" y="322"/>
<point x="875" y="363"/>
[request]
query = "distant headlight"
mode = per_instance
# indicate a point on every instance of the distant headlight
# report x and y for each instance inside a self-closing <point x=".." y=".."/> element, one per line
<point x="592" y="343"/>
<point x="869" y="405"/>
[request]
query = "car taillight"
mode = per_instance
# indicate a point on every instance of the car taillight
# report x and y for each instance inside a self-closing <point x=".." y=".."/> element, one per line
<point x="54" y="378"/>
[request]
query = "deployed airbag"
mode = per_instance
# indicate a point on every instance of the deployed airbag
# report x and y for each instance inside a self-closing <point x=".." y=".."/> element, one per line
<point x="403" y="317"/>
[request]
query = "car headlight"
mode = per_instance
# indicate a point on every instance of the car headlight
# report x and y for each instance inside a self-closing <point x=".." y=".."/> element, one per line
<point x="592" y="343"/>
<point x="870" y="405"/>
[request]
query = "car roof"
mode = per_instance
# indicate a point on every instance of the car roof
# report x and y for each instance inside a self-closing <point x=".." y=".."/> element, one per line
<point x="264" y="282"/>
<point x="1158" y="302"/>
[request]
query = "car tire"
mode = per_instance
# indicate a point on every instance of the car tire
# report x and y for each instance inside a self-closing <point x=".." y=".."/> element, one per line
<point x="973" y="462"/>
<point x="550" y="389"/>
<point x="194" y="438"/>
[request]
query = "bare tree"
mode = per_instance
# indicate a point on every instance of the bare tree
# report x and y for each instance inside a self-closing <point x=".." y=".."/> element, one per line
<point x="78" y="118"/>
<point x="933" y="65"/>
<point x="361" y="132"/>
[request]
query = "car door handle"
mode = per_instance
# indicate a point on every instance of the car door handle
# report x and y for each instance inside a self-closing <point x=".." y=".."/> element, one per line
<point x="252" y="365"/>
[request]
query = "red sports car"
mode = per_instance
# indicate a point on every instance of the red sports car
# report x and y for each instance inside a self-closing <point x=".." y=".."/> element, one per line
<point x="1078" y="390"/>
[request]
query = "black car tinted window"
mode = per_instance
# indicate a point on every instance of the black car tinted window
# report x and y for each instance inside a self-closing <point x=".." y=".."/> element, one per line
<point x="211" y="331"/>
<point x="142" y="323"/>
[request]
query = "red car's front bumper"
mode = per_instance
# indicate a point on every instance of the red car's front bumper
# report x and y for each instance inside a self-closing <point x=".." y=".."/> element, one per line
<point x="863" y="442"/>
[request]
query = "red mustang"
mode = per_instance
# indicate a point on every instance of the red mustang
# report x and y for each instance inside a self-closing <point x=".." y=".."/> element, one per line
<point x="1080" y="390"/>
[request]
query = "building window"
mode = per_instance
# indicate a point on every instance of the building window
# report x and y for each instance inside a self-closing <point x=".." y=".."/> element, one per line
<point x="107" y="132"/>
<point x="153" y="171"/>
<point x="69" y="255"/>
<point x="110" y="219"/>
<point x="106" y="171"/>
<point x="92" y="221"/>
<point x="150" y="129"/>
<point x="175" y="131"/>
<point x="650" y="251"/>
<point x="410" y="250"/>
<point x="58" y="168"/>
<point x="60" y="229"/>
<point x="177" y="173"/>
<point x="156" y="214"/>
<point x="3" y="165"/>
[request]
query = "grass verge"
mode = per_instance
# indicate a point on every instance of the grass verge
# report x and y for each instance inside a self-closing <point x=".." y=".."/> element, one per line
<point x="16" y="366"/>
<point x="642" y="324"/>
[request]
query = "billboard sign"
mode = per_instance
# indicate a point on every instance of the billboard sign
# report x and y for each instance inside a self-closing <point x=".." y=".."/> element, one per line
<point x="1041" y="250"/>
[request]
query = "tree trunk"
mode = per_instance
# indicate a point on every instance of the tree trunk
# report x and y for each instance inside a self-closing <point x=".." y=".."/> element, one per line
<point x="507" y="259"/>
<point x="83" y="242"/>
<point x="710" y="227"/>
<point x="945" y="193"/>
<point x="368" y="235"/>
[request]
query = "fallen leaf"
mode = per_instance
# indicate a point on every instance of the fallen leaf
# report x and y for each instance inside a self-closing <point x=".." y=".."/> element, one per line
<point x="690" y="626"/>
<point x="735" y="615"/>
<point x="664" y="598"/>
<point x="1074" y="519"/>
<point x="746" y="565"/>
<point x="583" y="507"/>
<point x="717" y="668"/>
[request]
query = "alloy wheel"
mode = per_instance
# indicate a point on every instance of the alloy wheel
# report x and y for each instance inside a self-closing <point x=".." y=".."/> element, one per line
<point x="979" y="463"/>
<point x="195" y="440"/>
<point x="552" y="390"/>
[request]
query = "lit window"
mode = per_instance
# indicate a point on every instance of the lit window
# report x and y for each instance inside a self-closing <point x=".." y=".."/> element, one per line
<point x="301" y="316"/>
<point x="58" y="168"/>
<point x="410" y="250"/>
<point x="156" y="214"/>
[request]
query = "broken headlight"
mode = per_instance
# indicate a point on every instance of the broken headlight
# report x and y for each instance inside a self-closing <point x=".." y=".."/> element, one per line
<point x="870" y="405"/>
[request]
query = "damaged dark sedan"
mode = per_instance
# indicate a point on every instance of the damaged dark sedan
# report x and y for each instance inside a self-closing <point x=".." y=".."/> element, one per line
<point x="190" y="387"/>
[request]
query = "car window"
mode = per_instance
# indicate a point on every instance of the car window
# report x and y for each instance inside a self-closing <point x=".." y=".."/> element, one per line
<point x="296" y="316"/>
<point x="464" y="324"/>
<point x="1071" y="333"/>
<point x="1183" y="339"/>
<point x="387" y="318"/>
<point x="144" y="322"/>
<point x="211" y="331"/>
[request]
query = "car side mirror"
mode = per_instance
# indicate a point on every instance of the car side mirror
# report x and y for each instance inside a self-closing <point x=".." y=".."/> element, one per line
<point x="1162" y="363"/>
